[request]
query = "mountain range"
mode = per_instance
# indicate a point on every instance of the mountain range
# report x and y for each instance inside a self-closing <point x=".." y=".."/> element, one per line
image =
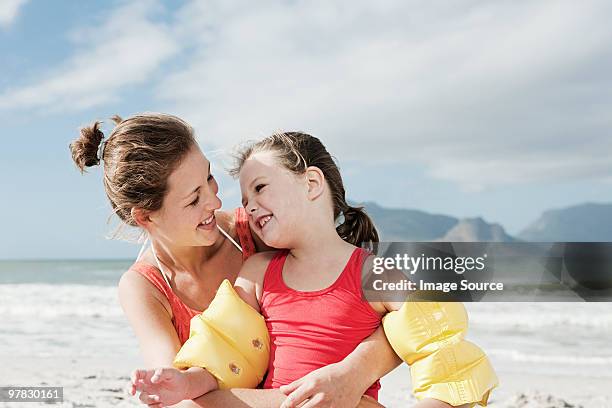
<point x="586" y="222"/>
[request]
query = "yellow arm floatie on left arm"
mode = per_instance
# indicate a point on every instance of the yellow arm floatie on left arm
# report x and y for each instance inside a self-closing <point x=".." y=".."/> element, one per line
<point x="429" y="336"/>
<point x="229" y="339"/>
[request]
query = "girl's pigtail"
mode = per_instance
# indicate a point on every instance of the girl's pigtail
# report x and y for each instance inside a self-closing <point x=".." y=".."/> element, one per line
<point x="357" y="228"/>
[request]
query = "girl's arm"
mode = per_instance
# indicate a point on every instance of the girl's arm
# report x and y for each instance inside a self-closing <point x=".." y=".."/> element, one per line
<point x="149" y="315"/>
<point x="427" y="402"/>
<point x="345" y="381"/>
<point x="342" y="383"/>
<point x="248" y="285"/>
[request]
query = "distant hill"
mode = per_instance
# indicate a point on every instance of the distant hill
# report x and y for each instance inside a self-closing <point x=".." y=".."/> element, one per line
<point x="580" y="223"/>
<point x="396" y="224"/>
<point x="476" y="230"/>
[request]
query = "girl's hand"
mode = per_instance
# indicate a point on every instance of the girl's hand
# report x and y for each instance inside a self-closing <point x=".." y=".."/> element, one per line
<point x="332" y="385"/>
<point x="160" y="387"/>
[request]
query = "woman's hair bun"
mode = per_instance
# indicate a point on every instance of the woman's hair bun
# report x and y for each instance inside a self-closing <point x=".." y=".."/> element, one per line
<point x="85" y="149"/>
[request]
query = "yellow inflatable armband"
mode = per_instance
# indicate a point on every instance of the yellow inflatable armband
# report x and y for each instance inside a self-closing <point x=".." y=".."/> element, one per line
<point x="429" y="336"/>
<point x="229" y="339"/>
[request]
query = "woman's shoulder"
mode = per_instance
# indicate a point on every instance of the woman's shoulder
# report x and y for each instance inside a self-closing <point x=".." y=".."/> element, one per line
<point x="135" y="287"/>
<point x="226" y="219"/>
<point x="236" y="224"/>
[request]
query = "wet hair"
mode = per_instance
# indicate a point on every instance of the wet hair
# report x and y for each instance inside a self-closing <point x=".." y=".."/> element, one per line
<point x="138" y="157"/>
<point x="297" y="151"/>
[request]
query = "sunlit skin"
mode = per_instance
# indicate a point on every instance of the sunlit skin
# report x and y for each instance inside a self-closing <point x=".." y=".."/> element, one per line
<point x="183" y="242"/>
<point x="188" y="250"/>
<point x="191" y="199"/>
<point x="270" y="190"/>
<point x="297" y="213"/>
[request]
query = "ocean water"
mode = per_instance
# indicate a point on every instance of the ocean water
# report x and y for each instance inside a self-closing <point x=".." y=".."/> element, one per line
<point x="69" y="309"/>
<point x="568" y="338"/>
<point x="64" y="310"/>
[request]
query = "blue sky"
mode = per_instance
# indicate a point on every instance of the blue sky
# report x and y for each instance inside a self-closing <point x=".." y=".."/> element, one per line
<point x="498" y="109"/>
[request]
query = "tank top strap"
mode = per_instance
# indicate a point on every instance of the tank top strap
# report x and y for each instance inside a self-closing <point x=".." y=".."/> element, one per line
<point x="274" y="273"/>
<point x="153" y="275"/>
<point x="244" y="233"/>
<point x="351" y="276"/>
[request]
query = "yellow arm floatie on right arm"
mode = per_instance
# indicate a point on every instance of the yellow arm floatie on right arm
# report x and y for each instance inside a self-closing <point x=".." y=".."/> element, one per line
<point x="229" y="339"/>
<point x="429" y="336"/>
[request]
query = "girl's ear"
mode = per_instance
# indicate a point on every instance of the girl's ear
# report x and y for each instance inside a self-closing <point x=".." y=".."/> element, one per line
<point x="141" y="217"/>
<point x="316" y="182"/>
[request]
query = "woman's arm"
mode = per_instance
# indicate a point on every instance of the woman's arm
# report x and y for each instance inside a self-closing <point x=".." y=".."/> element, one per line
<point x="243" y="398"/>
<point x="237" y="398"/>
<point x="248" y="285"/>
<point x="374" y="358"/>
<point x="149" y="315"/>
<point x="344" y="383"/>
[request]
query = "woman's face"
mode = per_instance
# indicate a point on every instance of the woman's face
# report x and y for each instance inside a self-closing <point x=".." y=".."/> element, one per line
<point x="187" y="216"/>
<point x="274" y="199"/>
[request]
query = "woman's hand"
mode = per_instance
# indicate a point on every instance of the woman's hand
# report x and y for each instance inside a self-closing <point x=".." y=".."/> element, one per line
<point x="332" y="385"/>
<point x="163" y="386"/>
<point x="169" y="386"/>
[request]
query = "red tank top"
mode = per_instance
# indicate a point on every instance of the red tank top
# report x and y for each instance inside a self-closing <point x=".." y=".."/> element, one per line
<point x="181" y="313"/>
<point x="309" y="330"/>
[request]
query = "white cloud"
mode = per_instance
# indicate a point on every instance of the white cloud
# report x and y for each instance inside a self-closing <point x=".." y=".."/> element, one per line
<point x="479" y="93"/>
<point x="126" y="49"/>
<point x="9" y="10"/>
<point x="475" y="92"/>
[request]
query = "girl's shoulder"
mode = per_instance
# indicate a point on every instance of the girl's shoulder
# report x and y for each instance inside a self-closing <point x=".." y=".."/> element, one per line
<point x="254" y="268"/>
<point x="251" y="278"/>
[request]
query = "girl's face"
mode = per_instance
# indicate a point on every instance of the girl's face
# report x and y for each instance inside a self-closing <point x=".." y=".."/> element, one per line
<point x="187" y="216"/>
<point x="274" y="198"/>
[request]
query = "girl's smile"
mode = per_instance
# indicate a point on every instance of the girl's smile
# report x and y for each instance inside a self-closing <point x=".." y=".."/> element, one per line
<point x="271" y="196"/>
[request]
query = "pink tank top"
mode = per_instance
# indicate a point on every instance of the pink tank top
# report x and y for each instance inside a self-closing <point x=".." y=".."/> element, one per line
<point x="181" y="313"/>
<point x="309" y="330"/>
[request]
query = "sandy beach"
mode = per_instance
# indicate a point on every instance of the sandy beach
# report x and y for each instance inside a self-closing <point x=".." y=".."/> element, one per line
<point x="96" y="383"/>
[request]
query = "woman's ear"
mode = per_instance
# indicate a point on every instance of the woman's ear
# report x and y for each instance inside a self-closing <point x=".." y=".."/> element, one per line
<point x="316" y="182"/>
<point x="141" y="217"/>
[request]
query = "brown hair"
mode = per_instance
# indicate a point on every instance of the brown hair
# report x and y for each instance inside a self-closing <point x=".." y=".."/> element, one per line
<point x="297" y="151"/>
<point x="138" y="156"/>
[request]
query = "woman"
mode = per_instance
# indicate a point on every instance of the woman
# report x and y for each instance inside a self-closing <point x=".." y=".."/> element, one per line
<point x="156" y="178"/>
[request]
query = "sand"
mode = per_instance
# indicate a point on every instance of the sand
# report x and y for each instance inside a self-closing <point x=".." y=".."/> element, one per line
<point x="98" y="383"/>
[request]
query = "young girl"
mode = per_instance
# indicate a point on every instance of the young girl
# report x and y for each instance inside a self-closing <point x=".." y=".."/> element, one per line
<point x="309" y="293"/>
